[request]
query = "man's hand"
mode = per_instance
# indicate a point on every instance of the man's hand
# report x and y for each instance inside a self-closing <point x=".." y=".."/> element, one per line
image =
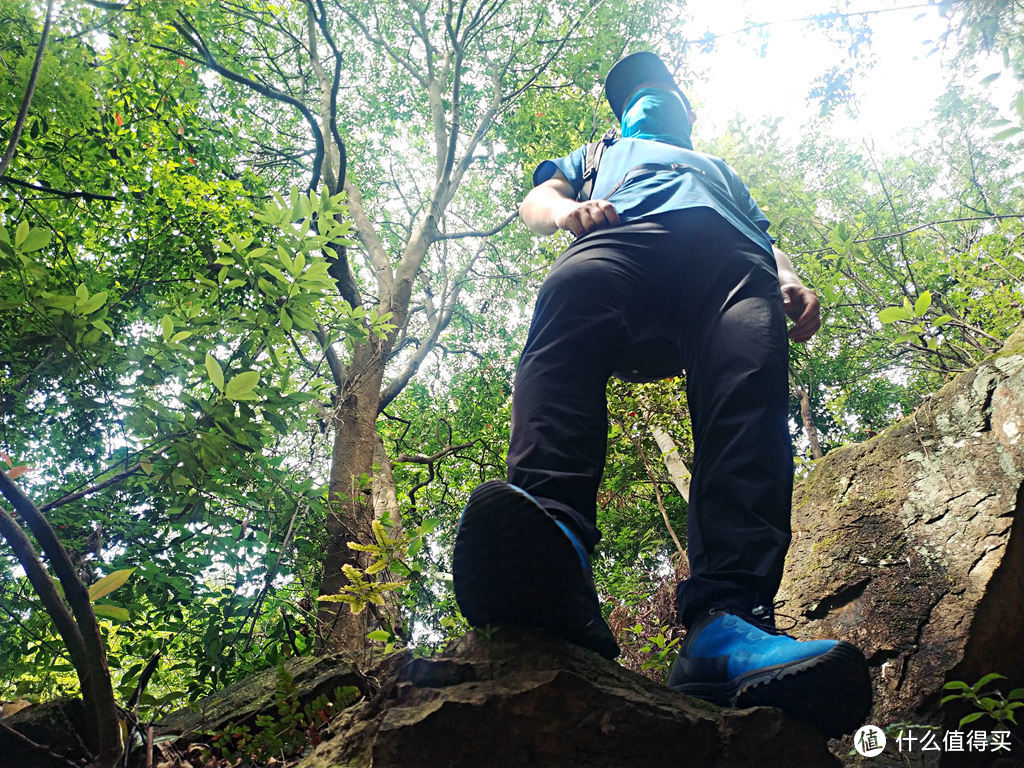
<point x="580" y="218"/>
<point x="802" y="307"/>
<point x="552" y="205"/>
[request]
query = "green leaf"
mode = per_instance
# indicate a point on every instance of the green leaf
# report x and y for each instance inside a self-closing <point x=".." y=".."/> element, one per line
<point x="215" y="372"/>
<point x="1008" y="133"/>
<point x="93" y="303"/>
<point x="428" y="524"/>
<point x="20" y="234"/>
<point x="941" y="320"/>
<point x="37" y="238"/>
<point x="379" y="635"/>
<point x="111" y="612"/>
<point x="971" y="718"/>
<point x="336" y="599"/>
<point x="109" y="583"/>
<point x="239" y="243"/>
<point x="303" y="319"/>
<point x="986" y="680"/>
<point x="241" y="386"/>
<point x="276" y="273"/>
<point x="166" y="326"/>
<point x="892" y="314"/>
<point x="180" y="336"/>
<point x="923" y="302"/>
<point x="956" y="685"/>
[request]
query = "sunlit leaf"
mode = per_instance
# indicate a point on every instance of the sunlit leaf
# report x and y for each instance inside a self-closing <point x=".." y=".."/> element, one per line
<point x="109" y="583"/>
<point x="215" y="372"/>
<point x="923" y="302"/>
<point x="241" y="386"/>
<point x="114" y="612"/>
<point x="892" y="314"/>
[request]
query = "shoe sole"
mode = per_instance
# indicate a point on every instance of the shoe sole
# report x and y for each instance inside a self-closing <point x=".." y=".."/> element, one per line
<point x="512" y="564"/>
<point x="831" y="692"/>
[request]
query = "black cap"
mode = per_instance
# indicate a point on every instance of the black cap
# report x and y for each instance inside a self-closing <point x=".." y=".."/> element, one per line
<point x="632" y="71"/>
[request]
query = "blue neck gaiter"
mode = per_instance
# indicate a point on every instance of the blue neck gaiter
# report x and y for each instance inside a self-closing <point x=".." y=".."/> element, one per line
<point x="658" y="115"/>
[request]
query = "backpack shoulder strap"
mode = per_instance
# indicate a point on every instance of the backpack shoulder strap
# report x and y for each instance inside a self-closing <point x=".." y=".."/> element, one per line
<point x="592" y="160"/>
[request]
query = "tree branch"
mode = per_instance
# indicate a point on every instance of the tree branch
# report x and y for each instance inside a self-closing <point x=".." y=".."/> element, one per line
<point x="59" y="192"/>
<point x="91" y="489"/>
<point x="44" y="587"/>
<point x="810" y="429"/>
<point x="399" y="59"/>
<point x="890" y="235"/>
<point x="333" y="121"/>
<point x="374" y="248"/>
<point x="89" y="657"/>
<point x="339" y="267"/>
<point x="680" y="550"/>
<point x="105" y="6"/>
<point x="677" y="469"/>
<point x="483" y="233"/>
<point x="419" y="458"/>
<point x="436" y="327"/>
<point x="191" y="36"/>
<point x="30" y="89"/>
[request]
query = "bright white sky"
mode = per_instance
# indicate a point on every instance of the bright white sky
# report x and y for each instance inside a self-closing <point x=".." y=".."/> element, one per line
<point x="893" y="97"/>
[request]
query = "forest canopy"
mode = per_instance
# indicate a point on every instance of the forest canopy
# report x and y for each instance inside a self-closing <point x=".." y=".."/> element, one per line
<point x="263" y="289"/>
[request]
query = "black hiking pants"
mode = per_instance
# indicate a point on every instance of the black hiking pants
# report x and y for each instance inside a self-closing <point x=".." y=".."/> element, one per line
<point x="647" y="299"/>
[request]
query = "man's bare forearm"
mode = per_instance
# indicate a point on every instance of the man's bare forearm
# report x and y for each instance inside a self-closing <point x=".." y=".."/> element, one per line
<point x="552" y="205"/>
<point x="543" y="206"/>
<point x="787" y="273"/>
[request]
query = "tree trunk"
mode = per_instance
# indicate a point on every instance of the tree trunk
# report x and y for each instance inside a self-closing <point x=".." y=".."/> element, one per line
<point x="805" y="416"/>
<point x="351" y="511"/>
<point x="677" y="469"/>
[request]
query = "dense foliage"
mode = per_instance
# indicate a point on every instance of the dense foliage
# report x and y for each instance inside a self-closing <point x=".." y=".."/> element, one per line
<point x="216" y="221"/>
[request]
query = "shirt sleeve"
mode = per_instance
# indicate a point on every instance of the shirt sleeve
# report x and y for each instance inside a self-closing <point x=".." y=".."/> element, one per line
<point x="755" y="214"/>
<point x="571" y="167"/>
<point x="747" y="204"/>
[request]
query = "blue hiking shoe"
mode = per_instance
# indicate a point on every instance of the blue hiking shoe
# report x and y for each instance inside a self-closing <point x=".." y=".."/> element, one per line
<point x="516" y="564"/>
<point x="732" y="662"/>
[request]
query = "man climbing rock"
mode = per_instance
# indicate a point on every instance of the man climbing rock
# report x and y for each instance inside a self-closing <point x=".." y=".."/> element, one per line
<point x="672" y="268"/>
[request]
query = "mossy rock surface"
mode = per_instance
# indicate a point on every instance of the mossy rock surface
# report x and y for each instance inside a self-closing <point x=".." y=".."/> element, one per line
<point x="911" y="545"/>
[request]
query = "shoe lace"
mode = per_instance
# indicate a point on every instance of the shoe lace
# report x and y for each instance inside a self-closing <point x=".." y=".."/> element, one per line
<point x="765" y="616"/>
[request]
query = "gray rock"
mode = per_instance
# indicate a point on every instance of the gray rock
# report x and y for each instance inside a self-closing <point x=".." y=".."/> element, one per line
<point x="522" y="698"/>
<point x="911" y="546"/>
<point x="54" y="727"/>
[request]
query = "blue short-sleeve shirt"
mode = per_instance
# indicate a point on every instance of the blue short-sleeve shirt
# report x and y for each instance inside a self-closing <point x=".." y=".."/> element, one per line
<point x="673" y="178"/>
